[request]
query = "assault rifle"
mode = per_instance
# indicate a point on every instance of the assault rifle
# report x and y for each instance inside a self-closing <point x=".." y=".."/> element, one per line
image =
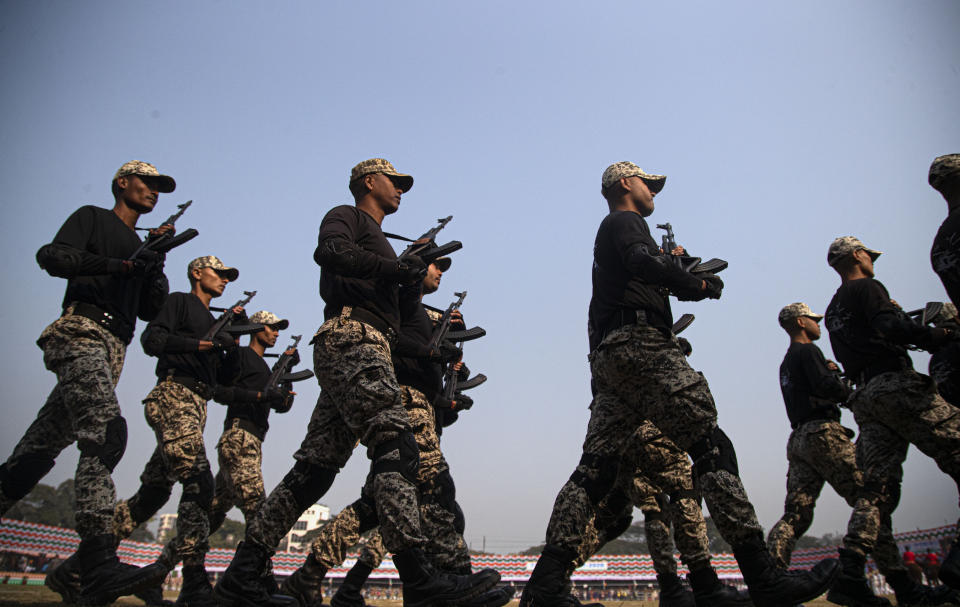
<point x="682" y="323"/>
<point x="926" y="314"/>
<point x="161" y="243"/>
<point x="226" y="318"/>
<point x="686" y="262"/>
<point x="425" y="247"/>
<point x="280" y="374"/>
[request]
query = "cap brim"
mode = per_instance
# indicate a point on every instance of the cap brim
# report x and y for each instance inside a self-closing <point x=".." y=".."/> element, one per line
<point x="165" y="184"/>
<point x="404" y="181"/>
<point x="873" y="254"/>
<point x="443" y="263"/>
<point x="231" y="274"/>
<point x="654" y="182"/>
<point x="281" y="324"/>
<point x="816" y="317"/>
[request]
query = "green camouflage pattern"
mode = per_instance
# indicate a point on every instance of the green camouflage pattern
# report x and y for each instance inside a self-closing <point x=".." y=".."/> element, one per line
<point x="177" y="416"/>
<point x="818" y="452"/>
<point x="621" y="170"/>
<point x="239" y="481"/>
<point x="214" y="263"/>
<point x="145" y="169"/>
<point x="359" y="400"/>
<point x="87" y="360"/>
<point x="380" y="165"/>
<point x="796" y="310"/>
<point x="893" y="411"/>
<point x="845" y="245"/>
<point x="942" y="170"/>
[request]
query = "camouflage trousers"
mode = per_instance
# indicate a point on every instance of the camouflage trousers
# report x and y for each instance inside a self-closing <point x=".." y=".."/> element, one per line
<point x="655" y="476"/>
<point x="818" y="451"/>
<point x="640" y="375"/>
<point x="177" y="416"/>
<point x="444" y="546"/>
<point x="359" y="400"/>
<point x="87" y="360"/>
<point x="893" y="411"/>
<point x="239" y="481"/>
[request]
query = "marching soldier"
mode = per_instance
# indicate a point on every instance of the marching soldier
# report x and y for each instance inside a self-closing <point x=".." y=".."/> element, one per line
<point x="106" y="292"/>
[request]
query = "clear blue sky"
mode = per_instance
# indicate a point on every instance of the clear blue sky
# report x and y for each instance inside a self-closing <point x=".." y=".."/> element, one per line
<point x="780" y="126"/>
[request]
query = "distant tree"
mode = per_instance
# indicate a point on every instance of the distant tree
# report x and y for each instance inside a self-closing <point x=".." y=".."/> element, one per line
<point x="142" y="534"/>
<point x="631" y="541"/>
<point x="228" y="535"/>
<point x="533" y="550"/>
<point x="48" y="506"/>
<point x="717" y="543"/>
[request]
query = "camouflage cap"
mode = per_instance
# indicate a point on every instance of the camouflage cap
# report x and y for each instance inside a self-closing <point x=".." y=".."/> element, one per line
<point x="845" y="245"/>
<point x="270" y="319"/>
<point x="380" y="165"/>
<point x="620" y="170"/>
<point x="212" y="262"/>
<point x="443" y="263"/>
<point x="943" y="170"/>
<point x="796" y="310"/>
<point x="947" y="316"/>
<point x="165" y="183"/>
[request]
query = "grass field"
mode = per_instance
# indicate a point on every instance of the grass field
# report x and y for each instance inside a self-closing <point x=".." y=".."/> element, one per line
<point x="40" y="596"/>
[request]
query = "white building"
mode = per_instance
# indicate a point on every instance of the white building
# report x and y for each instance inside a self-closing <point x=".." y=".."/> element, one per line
<point x="167" y="527"/>
<point x="315" y="516"/>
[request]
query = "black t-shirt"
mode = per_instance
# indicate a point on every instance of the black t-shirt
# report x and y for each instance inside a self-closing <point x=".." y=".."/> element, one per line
<point x="945" y="256"/>
<point x="866" y="329"/>
<point x="631" y="273"/>
<point x="253" y="377"/>
<point x="174" y="338"/>
<point x="352" y="279"/>
<point x="416" y="330"/>
<point x="102" y="236"/>
<point x="810" y="389"/>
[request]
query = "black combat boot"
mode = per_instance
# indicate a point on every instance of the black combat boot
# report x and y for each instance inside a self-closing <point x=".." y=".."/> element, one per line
<point x="65" y="580"/>
<point x="773" y="587"/>
<point x="709" y="591"/>
<point x="196" y="590"/>
<point x="103" y="578"/>
<point x="424" y="586"/>
<point x="549" y="583"/>
<point x="910" y="593"/>
<point x="348" y="595"/>
<point x="672" y="592"/>
<point x="241" y="584"/>
<point x="851" y="587"/>
<point x="498" y="597"/>
<point x="950" y="569"/>
<point x="152" y="596"/>
<point x="304" y="583"/>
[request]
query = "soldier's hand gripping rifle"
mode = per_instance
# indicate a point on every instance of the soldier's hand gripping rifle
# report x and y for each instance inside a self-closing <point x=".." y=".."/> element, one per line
<point x="686" y="262"/>
<point x="225" y="322"/>
<point x="425" y="247"/>
<point x="158" y="243"/>
<point x="280" y="375"/>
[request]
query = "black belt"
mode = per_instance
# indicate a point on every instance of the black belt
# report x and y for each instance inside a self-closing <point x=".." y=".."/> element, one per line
<point x="822" y="416"/>
<point x="194" y="385"/>
<point x="245" y="424"/>
<point x="883" y="366"/>
<point x="369" y="318"/>
<point x="103" y="318"/>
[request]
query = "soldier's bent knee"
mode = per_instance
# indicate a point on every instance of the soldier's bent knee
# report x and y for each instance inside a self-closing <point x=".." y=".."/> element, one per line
<point x="604" y="469"/>
<point x="714" y="453"/>
<point x="308" y="482"/>
<point x="114" y="444"/>
<point x="18" y="480"/>
<point x="407" y="464"/>
<point x="147" y="501"/>
<point x="199" y="489"/>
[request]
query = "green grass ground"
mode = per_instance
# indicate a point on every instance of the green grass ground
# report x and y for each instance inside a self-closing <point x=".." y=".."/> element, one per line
<point x="40" y="596"/>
